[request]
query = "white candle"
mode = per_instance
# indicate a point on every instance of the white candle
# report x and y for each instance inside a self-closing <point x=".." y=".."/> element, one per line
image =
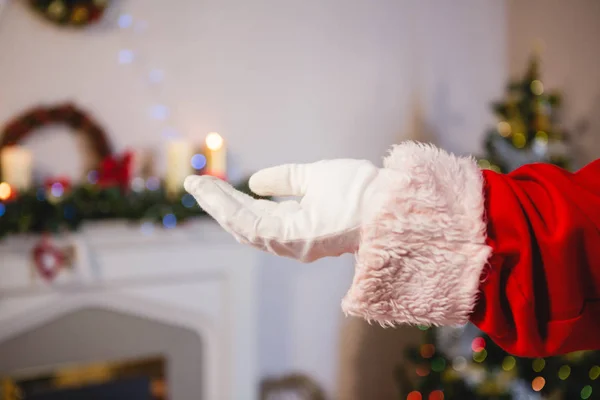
<point x="216" y="155"/>
<point x="16" y="167"/>
<point x="179" y="155"/>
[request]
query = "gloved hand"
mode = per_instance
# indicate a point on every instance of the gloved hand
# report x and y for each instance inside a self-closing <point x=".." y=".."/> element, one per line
<point x="335" y="197"/>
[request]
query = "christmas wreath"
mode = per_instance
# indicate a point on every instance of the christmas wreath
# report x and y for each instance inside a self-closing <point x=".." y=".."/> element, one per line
<point x="70" y="12"/>
<point x="109" y="192"/>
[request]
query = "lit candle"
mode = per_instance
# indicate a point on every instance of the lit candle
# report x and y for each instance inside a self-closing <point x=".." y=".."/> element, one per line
<point x="216" y="156"/>
<point x="16" y="167"/>
<point x="179" y="154"/>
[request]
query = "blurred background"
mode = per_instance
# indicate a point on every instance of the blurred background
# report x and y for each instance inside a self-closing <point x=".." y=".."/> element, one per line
<point x="114" y="284"/>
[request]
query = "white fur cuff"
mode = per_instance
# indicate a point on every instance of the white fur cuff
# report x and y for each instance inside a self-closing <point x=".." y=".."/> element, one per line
<point x="421" y="257"/>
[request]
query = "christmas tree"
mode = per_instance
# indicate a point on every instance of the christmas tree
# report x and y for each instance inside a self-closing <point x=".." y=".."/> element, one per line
<point x="528" y="131"/>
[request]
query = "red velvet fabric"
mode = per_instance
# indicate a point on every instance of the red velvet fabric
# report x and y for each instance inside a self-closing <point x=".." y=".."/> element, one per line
<point x="540" y="293"/>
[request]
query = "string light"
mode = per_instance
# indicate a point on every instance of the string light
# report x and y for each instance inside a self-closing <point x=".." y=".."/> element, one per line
<point x="436" y="395"/>
<point x="169" y="221"/>
<point x="427" y="350"/>
<point x="538" y="364"/>
<point x="538" y="383"/>
<point x="564" y="372"/>
<point x="537" y="87"/>
<point x="125" y="21"/>
<point x="508" y="363"/>
<point x="459" y="363"/>
<point x="504" y="128"/>
<point x="126" y="56"/>
<point x="586" y="392"/>
<point x="438" y="365"/>
<point x="414" y="395"/>
<point x="57" y="189"/>
<point x="5" y="191"/>
<point x="478" y="344"/>
<point x="594" y="372"/>
<point x="519" y="140"/>
<point x="198" y="161"/>
<point x="152" y="183"/>
<point x="480" y="356"/>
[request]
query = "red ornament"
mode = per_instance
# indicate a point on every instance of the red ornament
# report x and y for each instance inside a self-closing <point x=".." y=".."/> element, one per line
<point x="48" y="259"/>
<point x="116" y="171"/>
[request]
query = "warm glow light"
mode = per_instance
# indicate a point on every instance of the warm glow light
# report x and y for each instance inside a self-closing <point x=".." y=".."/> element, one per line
<point x="519" y="140"/>
<point x="478" y="344"/>
<point x="427" y="350"/>
<point x="5" y="191"/>
<point x="537" y="87"/>
<point x="480" y="356"/>
<point x="538" y="383"/>
<point x="214" y="141"/>
<point x="414" y="396"/>
<point x="504" y="128"/>
<point x="436" y="395"/>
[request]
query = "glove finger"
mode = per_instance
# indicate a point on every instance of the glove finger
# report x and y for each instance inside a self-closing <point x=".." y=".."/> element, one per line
<point x="258" y="206"/>
<point x="220" y="202"/>
<point x="283" y="180"/>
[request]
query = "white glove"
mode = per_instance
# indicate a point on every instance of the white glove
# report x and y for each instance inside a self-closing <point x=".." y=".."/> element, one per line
<point x="336" y="197"/>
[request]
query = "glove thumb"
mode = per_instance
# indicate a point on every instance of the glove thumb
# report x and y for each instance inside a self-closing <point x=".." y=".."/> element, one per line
<point x="283" y="180"/>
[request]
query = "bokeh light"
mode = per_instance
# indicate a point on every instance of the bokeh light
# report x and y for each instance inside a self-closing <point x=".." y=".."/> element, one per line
<point x="459" y="363"/>
<point x="152" y="183"/>
<point x="594" y="372"/>
<point x="2" y="209"/>
<point x="480" y="356"/>
<point x="537" y="87"/>
<point x="564" y="372"/>
<point x="5" y="191"/>
<point x="538" y="364"/>
<point x="414" y="395"/>
<point x="198" y="161"/>
<point x="126" y="56"/>
<point x="508" y="363"/>
<point x="57" y="189"/>
<point x="427" y="350"/>
<point x="169" y="221"/>
<point x="504" y="128"/>
<point x="438" y="364"/>
<point x="214" y="141"/>
<point x="538" y="383"/>
<point x="436" y="395"/>
<point x="478" y="344"/>
<point x="586" y="392"/>
<point x="188" y="200"/>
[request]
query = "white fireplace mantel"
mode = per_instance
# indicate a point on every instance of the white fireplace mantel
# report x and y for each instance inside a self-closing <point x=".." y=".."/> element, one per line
<point x="194" y="276"/>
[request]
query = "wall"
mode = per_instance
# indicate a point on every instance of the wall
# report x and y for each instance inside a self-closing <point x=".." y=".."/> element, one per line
<point x="282" y="82"/>
<point x="568" y="34"/>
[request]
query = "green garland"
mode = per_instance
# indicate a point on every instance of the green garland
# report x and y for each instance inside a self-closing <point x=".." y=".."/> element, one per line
<point x="38" y="211"/>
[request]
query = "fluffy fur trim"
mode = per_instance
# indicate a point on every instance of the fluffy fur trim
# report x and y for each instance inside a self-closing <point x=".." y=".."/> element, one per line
<point x="422" y="254"/>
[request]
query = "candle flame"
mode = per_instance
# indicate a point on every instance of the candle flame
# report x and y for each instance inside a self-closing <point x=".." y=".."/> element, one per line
<point x="5" y="191"/>
<point x="214" y="141"/>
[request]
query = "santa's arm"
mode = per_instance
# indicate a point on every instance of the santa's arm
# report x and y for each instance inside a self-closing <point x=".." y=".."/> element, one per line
<point x="518" y="254"/>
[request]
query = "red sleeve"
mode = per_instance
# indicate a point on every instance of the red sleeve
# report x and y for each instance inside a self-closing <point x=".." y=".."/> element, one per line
<point x="540" y="294"/>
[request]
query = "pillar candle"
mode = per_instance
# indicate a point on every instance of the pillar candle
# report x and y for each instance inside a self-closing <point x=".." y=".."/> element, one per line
<point x="216" y="156"/>
<point x="179" y="155"/>
<point x="17" y="167"/>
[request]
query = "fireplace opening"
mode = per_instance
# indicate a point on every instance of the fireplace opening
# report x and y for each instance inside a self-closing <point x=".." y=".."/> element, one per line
<point x="142" y="379"/>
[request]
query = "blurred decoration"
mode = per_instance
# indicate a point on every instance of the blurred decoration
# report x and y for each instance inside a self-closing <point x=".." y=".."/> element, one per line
<point x="78" y="13"/>
<point x="24" y="125"/>
<point x="110" y="191"/>
<point x="291" y="387"/>
<point x="528" y="131"/>
<point x="49" y="258"/>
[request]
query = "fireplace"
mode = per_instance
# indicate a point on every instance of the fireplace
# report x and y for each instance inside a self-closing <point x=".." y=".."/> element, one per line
<point x="126" y="380"/>
<point x="169" y="312"/>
